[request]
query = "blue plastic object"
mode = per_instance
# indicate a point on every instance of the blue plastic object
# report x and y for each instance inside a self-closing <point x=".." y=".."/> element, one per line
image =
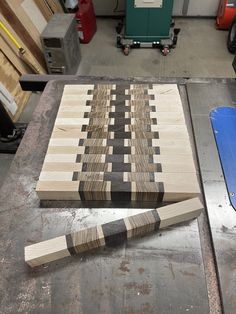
<point x="223" y="120"/>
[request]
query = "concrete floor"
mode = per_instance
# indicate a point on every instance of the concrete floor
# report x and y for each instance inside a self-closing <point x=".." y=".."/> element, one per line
<point x="201" y="52"/>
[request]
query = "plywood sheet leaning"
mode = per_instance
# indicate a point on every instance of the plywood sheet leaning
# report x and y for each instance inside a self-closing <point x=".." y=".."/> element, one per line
<point x="119" y="142"/>
<point x="23" y="33"/>
<point x="112" y="233"/>
<point x="49" y="7"/>
<point x="45" y="9"/>
<point x="26" y="11"/>
<point x="27" y="55"/>
<point x="9" y="77"/>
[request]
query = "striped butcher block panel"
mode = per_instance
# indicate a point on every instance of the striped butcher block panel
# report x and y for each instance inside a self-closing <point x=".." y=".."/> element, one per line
<point x="111" y="233"/>
<point x="119" y="142"/>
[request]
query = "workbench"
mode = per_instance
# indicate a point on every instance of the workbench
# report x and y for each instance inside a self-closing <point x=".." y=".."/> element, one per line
<point x="189" y="268"/>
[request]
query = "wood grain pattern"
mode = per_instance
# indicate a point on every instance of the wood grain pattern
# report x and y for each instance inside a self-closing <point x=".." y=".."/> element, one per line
<point x="118" y="142"/>
<point x="45" y="9"/>
<point x="112" y="233"/>
<point x="11" y="54"/>
<point x="10" y="79"/>
<point x="34" y="14"/>
<point x="22" y="32"/>
<point x="30" y="56"/>
<point x="27" y="20"/>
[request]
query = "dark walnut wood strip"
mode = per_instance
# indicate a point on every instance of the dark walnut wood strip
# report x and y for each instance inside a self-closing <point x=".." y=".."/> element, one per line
<point x="112" y="233"/>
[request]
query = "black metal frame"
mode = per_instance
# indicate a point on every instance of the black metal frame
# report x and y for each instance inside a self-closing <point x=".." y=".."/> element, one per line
<point x="10" y="133"/>
<point x="164" y="45"/>
<point x="37" y="83"/>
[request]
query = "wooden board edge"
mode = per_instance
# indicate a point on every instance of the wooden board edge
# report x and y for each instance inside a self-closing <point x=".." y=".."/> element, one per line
<point x="111" y="233"/>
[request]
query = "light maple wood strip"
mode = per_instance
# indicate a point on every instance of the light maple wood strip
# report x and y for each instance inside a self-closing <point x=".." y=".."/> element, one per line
<point x="111" y="233"/>
<point x="60" y="158"/>
<point x="160" y="117"/>
<point x="177" y="160"/>
<point x="44" y="8"/>
<point x="72" y="121"/>
<point x="47" y="251"/>
<point x="63" y="142"/>
<point x="17" y="7"/>
<point x="101" y="190"/>
<point x="55" y="176"/>
<point x="165" y="100"/>
<point x="35" y="15"/>
<point x="75" y="88"/>
<point x="59" y="133"/>
<point x="166" y="167"/>
<point x="62" y="166"/>
<point x="108" y="150"/>
<point x="71" y="112"/>
<point x="166" y="89"/>
<point x="179" y="212"/>
<point x="157" y="142"/>
<point x="54" y="190"/>
<point x="166" y="132"/>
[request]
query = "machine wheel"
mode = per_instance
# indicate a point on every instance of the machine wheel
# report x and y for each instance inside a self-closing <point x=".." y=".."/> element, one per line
<point x="165" y="51"/>
<point x="126" y="50"/>
<point x="231" y="42"/>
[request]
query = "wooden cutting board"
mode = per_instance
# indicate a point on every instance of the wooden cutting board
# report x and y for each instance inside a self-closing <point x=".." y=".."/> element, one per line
<point x="119" y="143"/>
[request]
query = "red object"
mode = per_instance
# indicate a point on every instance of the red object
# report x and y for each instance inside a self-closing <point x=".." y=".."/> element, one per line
<point x="226" y="13"/>
<point x="86" y="20"/>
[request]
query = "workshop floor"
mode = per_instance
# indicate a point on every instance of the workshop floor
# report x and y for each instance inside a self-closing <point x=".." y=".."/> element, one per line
<point x="201" y="52"/>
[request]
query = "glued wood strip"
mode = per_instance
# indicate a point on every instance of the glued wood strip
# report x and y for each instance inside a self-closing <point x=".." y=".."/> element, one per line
<point x="111" y="233"/>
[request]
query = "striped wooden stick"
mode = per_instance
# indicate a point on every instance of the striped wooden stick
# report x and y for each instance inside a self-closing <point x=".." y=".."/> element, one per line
<point x="111" y="233"/>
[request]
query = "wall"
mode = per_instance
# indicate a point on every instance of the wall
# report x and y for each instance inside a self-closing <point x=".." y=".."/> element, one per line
<point x="181" y="7"/>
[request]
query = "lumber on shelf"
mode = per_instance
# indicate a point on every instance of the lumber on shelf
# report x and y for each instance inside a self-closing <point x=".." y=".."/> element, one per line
<point x="45" y="9"/>
<point x="28" y="55"/>
<point x="10" y="79"/>
<point x="21" y="31"/>
<point x="112" y="233"/>
<point x="26" y="13"/>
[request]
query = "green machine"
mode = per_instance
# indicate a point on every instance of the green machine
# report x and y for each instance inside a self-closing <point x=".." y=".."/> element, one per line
<point x="148" y="23"/>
